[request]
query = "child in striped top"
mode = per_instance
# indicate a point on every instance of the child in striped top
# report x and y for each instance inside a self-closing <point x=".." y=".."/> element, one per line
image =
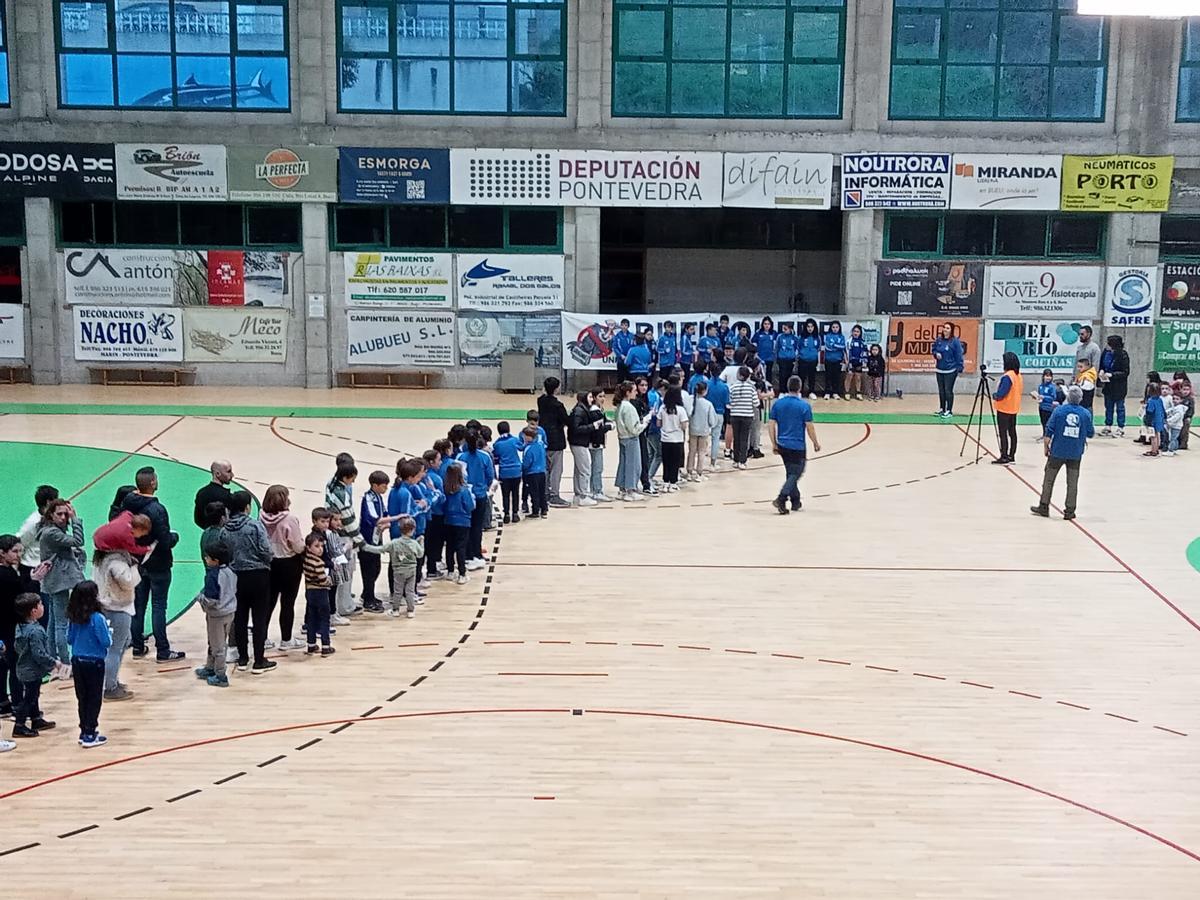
<point x="317" y="584"/>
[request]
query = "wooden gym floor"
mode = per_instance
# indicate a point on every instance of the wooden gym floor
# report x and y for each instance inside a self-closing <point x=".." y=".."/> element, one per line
<point x="912" y="689"/>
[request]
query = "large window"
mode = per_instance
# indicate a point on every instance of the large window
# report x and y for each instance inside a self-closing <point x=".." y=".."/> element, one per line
<point x="768" y="59"/>
<point x="5" y="97"/>
<point x="204" y="226"/>
<point x="12" y="223"/>
<point x="1187" y="107"/>
<point x="446" y="228"/>
<point x="997" y="59"/>
<point x="1011" y="235"/>
<point x="452" y="57"/>
<point x="173" y="54"/>
<point x="1179" y="237"/>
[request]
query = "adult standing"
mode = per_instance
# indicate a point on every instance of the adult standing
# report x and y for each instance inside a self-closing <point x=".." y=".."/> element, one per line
<point x="216" y="491"/>
<point x="743" y="406"/>
<point x="155" y="587"/>
<point x="552" y="416"/>
<point x="791" y="422"/>
<point x="808" y="355"/>
<point x="250" y="558"/>
<point x="1008" y="404"/>
<point x="31" y="555"/>
<point x="287" y="559"/>
<point x="603" y="427"/>
<point x="948" y="356"/>
<point x="630" y="425"/>
<point x="116" y="574"/>
<point x="1114" y="380"/>
<point x="580" y="430"/>
<point x="1088" y="349"/>
<point x="60" y="543"/>
<point x="764" y="345"/>
<point x="1067" y="435"/>
<point x="13" y="583"/>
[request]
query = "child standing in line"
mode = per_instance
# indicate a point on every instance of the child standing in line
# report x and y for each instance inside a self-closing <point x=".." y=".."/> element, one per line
<point x="876" y="364"/>
<point x="1086" y="377"/>
<point x="435" y="530"/>
<point x="1152" y="389"/>
<point x="372" y="509"/>
<point x="507" y="454"/>
<point x="338" y="547"/>
<point x="533" y="470"/>
<point x="1173" y="414"/>
<point x="532" y="417"/>
<point x="35" y="660"/>
<point x="460" y="504"/>
<point x="700" y="430"/>
<point x="856" y="349"/>
<point x="317" y="585"/>
<point x="1047" y="397"/>
<point x="406" y="553"/>
<point x="835" y="357"/>
<point x="1182" y="386"/>
<point x="1155" y="418"/>
<point x="219" y="602"/>
<point x="90" y="637"/>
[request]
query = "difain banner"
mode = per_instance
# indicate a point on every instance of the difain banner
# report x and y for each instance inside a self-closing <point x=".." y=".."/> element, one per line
<point x="12" y="331"/>
<point x="778" y="180"/>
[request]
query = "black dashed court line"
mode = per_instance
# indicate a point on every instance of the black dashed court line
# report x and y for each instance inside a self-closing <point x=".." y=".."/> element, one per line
<point x="12" y="850"/>
<point x="271" y="761"/>
<point x="418" y="681"/>
<point x="308" y="744"/>
<point x="229" y="778"/>
<point x="452" y="650"/>
<point x="136" y="812"/>
<point x="463" y="639"/>
<point x="341" y="728"/>
<point x="63" y="837"/>
<point x="370" y="712"/>
<point x="437" y="665"/>
<point x="470" y="627"/>
<point x="183" y="796"/>
<point x="396" y="696"/>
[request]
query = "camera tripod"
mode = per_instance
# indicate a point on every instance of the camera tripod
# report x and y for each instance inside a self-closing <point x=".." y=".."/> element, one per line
<point x="983" y="395"/>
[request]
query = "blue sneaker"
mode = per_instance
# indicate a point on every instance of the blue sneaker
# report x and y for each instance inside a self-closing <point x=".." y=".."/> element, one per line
<point x="218" y="680"/>
<point x="204" y="672"/>
<point x="96" y="739"/>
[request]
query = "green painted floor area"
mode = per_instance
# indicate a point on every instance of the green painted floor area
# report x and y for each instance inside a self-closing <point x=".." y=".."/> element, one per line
<point x="391" y="412"/>
<point x="72" y="469"/>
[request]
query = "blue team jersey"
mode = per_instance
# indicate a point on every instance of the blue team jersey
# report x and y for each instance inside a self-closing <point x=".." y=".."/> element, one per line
<point x="791" y="414"/>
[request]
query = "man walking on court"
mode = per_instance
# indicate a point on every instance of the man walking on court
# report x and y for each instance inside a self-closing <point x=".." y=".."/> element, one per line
<point x="791" y="421"/>
<point x="1067" y="433"/>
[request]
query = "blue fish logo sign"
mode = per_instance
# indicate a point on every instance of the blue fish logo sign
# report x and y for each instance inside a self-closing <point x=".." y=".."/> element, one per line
<point x="1131" y="298"/>
<point x="480" y="272"/>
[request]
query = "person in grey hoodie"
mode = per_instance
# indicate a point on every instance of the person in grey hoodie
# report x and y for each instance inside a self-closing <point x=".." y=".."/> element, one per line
<point x="60" y="542"/>
<point x="250" y="558"/>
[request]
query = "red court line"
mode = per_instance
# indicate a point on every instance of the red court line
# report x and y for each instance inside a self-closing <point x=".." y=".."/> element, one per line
<point x="124" y="459"/>
<point x="275" y="431"/>
<point x="1095" y="540"/>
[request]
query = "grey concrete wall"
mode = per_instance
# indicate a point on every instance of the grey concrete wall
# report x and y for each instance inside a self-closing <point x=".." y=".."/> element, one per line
<point x="753" y="281"/>
<point x="1143" y="59"/>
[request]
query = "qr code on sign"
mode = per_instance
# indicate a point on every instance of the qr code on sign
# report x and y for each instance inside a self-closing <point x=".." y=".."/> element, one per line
<point x="904" y="298"/>
<point x="416" y="190"/>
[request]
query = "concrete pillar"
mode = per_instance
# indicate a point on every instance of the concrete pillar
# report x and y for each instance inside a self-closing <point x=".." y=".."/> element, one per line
<point x="862" y="243"/>
<point x="868" y="72"/>
<point x="316" y="55"/>
<point x="591" y="31"/>
<point x="587" y="260"/>
<point x="1145" y="70"/>
<point x="31" y="34"/>
<point x="315" y="345"/>
<point x="50" y="340"/>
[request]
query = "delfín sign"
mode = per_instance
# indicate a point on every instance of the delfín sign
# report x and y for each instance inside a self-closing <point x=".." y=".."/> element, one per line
<point x="64" y="171"/>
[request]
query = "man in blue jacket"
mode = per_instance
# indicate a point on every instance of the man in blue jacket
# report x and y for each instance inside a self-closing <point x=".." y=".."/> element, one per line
<point x="1067" y="434"/>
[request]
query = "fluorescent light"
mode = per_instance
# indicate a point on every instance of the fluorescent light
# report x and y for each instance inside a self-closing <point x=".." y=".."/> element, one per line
<point x="1171" y="9"/>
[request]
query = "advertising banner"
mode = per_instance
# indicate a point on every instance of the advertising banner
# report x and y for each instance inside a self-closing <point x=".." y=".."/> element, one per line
<point x="1177" y="346"/>
<point x="60" y="170"/>
<point x="1180" y="291"/>
<point x="910" y="343"/>
<point x="1117" y="183"/>
<point x="245" y="334"/>
<point x="486" y="175"/>
<point x="1038" y="343"/>
<point x="484" y="337"/>
<point x="393" y="175"/>
<point x="1185" y="190"/>
<point x="293" y="174"/>
<point x="779" y="180"/>
<point x="178" y="277"/>
<point x="389" y="337"/>
<point x="12" y="331"/>
<point x="637" y="178"/>
<point x="1001" y="181"/>
<point x="171" y="172"/>
<point x="127" y="334"/>
<point x="515" y="283"/>
<point x="895" y="180"/>
<point x="1129" y="293"/>
<point x="10" y="275"/>
<point x="399" y="279"/>
<point x="1056" y="292"/>
<point x="927" y="288"/>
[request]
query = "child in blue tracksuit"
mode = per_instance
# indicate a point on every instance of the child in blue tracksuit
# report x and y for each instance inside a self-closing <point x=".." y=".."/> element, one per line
<point x="425" y="494"/>
<point x="1155" y="417"/>
<point x="533" y="470"/>
<point x="709" y="343"/>
<point x="1048" y="396"/>
<point x="723" y="334"/>
<point x="460" y="508"/>
<point x="764" y="346"/>
<point x="687" y="346"/>
<point x="835" y="358"/>
<point x="90" y="637"/>
<point x="481" y="472"/>
<point x="621" y="343"/>
<point x="668" y="351"/>
<point x="639" y="360"/>
<point x="506" y="453"/>
<point x="786" y="346"/>
<point x="857" y="350"/>
<point x="807" y="357"/>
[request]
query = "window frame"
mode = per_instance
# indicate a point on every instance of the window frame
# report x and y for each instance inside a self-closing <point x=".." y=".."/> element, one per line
<point x="942" y="63"/>
<point x="1050" y="219"/>
<point x="178" y="243"/>
<point x="1186" y="65"/>
<point x="6" y="54"/>
<point x="111" y="52"/>
<point x="790" y="7"/>
<point x="386" y="246"/>
<point x="1165" y="255"/>
<point x="510" y="59"/>
<point x="18" y="204"/>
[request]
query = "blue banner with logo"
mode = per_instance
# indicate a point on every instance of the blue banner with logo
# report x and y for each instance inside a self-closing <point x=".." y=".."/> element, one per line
<point x="393" y="175"/>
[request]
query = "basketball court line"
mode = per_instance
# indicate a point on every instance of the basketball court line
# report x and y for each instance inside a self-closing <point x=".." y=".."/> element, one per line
<point x="124" y="459"/>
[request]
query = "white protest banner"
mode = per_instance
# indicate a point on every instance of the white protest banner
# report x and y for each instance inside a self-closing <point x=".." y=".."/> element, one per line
<point x="389" y="337"/>
<point x="509" y="283"/>
<point x="12" y="331"/>
<point x="636" y="178"/>
<point x="895" y="180"/>
<point x="235" y="334"/>
<point x="1038" y="343"/>
<point x="1129" y="293"/>
<point x="127" y="334"/>
<point x="484" y="337"/>
<point x="587" y="337"/>
<point x="1005" y="181"/>
<point x="1055" y="292"/>
<point x="171" y="172"/>
<point x="778" y="180"/>
<point x="399" y="280"/>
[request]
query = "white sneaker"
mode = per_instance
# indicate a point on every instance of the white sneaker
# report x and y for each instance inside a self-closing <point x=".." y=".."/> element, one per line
<point x="585" y="501"/>
<point x="625" y="496"/>
<point x="422" y="585"/>
<point x="392" y="613"/>
<point x="411" y="614"/>
<point x="420" y="601"/>
<point x="812" y="396"/>
<point x="5" y="746"/>
<point x="231" y="654"/>
<point x="337" y="619"/>
<point x="602" y="498"/>
<point x="1120" y="432"/>
<point x="1105" y="432"/>
<point x="475" y="564"/>
<point x="461" y="579"/>
<point x="651" y="492"/>
<point x="268" y="644"/>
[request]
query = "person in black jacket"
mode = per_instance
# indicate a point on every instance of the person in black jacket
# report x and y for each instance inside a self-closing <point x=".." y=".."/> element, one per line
<point x="1114" y="378"/>
<point x="216" y="491"/>
<point x="552" y="416"/>
<point x="580" y="430"/>
<point x="13" y="583"/>
<point x="156" y="568"/>
<point x="596" y="449"/>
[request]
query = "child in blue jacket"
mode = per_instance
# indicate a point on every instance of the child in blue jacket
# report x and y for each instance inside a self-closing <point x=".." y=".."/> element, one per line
<point x="787" y="345"/>
<point x="460" y="508"/>
<point x="835" y="358"/>
<point x="506" y="453"/>
<point x="807" y="357"/>
<point x="857" y="349"/>
<point x="668" y="351"/>
<point x="764" y="345"/>
<point x="533" y="470"/>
